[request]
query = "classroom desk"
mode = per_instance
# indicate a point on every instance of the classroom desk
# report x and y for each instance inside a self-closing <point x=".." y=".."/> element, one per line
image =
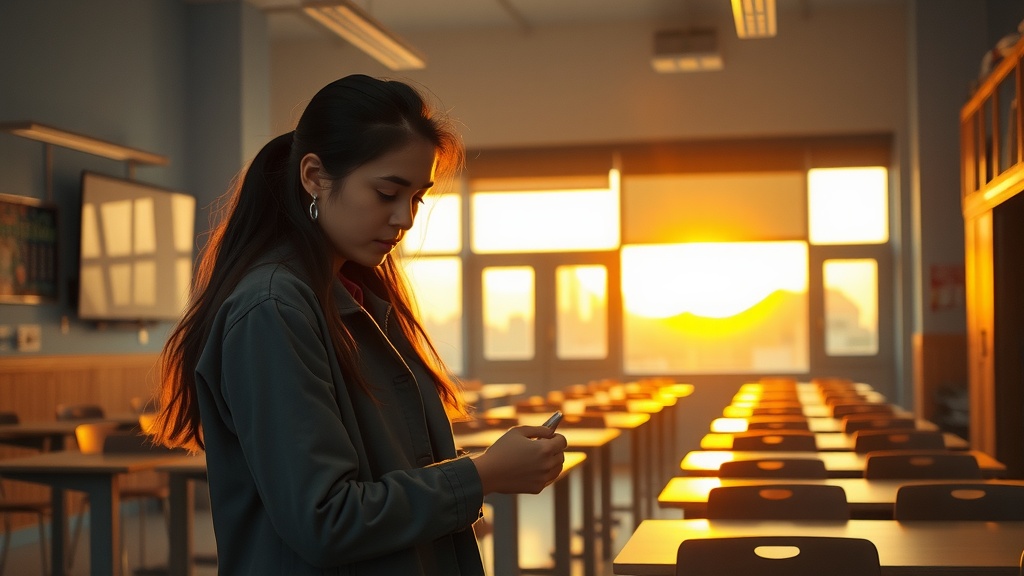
<point x="183" y="471"/>
<point x="868" y="499"/>
<point x="643" y="484"/>
<point x="49" y="435"/>
<point x="506" y="527"/>
<point x="904" y="548"/>
<point x="817" y="424"/>
<point x="826" y="442"/>
<point x="838" y="464"/>
<point x="491" y="395"/>
<point x="809" y="410"/>
<point x="596" y="444"/>
<point x="98" y="476"/>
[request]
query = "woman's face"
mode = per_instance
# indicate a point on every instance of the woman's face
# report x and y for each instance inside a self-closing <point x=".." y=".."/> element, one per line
<point x="366" y="214"/>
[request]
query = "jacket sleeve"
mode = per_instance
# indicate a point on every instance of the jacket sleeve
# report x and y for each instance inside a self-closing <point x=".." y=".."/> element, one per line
<point x="277" y="385"/>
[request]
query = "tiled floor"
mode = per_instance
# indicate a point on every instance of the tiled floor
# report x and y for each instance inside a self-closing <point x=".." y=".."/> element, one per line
<point x="535" y="536"/>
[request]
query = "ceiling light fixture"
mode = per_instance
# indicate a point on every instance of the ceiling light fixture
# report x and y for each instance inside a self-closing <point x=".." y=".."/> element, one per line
<point x="87" y="144"/>
<point x="361" y="30"/>
<point x="754" y="18"/>
<point x="694" y="50"/>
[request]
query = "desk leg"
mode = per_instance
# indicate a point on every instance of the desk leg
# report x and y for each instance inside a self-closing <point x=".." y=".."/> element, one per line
<point x="58" y="531"/>
<point x="636" y="463"/>
<point x="589" y="518"/>
<point x="563" y="520"/>
<point x="506" y="534"/>
<point x="181" y="504"/>
<point x="607" y="514"/>
<point x="104" y="524"/>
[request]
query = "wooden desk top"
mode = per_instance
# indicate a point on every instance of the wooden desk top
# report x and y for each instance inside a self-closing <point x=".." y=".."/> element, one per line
<point x="70" y="462"/>
<point x="817" y="424"/>
<point x="839" y="464"/>
<point x="620" y="420"/>
<point x="809" y="410"/>
<point x="827" y="442"/>
<point x="867" y="498"/>
<point x="577" y="438"/>
<point x="904" y="548"/>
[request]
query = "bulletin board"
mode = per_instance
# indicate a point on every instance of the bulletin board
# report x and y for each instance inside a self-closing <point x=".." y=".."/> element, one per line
<point x="28" y="250"/>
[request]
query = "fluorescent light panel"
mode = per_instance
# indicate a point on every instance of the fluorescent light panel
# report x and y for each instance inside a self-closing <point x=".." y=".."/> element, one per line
<point x="754" y="18"/>
<point x="357" y="27"/>
<point x="81" y="143"/>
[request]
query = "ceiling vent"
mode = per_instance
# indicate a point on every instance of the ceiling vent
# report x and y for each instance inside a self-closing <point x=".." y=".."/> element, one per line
<point x="691" y="50"/>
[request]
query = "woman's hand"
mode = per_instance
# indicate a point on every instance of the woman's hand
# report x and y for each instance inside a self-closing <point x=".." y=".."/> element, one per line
<point x="523" y="461"/>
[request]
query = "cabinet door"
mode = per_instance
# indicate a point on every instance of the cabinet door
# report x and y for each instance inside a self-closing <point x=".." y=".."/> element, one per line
<point x="980" y="328"/>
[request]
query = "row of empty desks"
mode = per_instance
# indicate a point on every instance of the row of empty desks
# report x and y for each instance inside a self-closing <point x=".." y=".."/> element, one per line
<point x="924" y="548"/>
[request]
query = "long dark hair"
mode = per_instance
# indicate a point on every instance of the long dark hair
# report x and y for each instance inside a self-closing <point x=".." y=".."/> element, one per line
<point x="348" y="123"/>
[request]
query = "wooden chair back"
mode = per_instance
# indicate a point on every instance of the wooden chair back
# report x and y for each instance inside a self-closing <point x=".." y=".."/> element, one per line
<point x="960" y="501"/>
<point x="855" y="422"/>
<point x="774" y="468"/>
<point x="777" y="556"/>
<point x="845" y="409"/>
<point x="778" y="502"/>
<point x="921" y="465"/>
<point x="776" y="440"/>
<point x="865" y="441"/>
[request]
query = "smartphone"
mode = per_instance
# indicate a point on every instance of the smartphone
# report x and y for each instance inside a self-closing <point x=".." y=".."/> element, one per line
<point x="553" y="421"/>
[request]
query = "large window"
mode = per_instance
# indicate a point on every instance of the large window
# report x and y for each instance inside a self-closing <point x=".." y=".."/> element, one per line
<point x="717" y="271"/>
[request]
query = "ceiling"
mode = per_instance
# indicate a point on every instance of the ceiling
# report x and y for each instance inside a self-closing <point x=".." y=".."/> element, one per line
<point x="287" y="21"/>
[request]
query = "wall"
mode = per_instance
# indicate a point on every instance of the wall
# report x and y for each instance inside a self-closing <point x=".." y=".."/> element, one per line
<point x="187" y="81"/>
<point x="199" y="83"/>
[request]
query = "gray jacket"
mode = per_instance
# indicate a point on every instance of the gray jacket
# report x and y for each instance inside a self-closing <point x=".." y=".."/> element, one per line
<point x="309" y="475"/>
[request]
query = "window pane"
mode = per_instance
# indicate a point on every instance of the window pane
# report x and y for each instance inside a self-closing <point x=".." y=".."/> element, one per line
<point x="508" y="303"/>
<point x="555" y="221"/>
<point x="436" y="285"/>
<point x="437" y="228"/>
<point x="851" y="307"/>
<point x="582" y="312"/>
<point x="848" y="205"/>
<point x="708" y="308"/>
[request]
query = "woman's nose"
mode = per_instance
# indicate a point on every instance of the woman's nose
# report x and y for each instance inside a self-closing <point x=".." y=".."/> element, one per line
<point x="403" y="216"/>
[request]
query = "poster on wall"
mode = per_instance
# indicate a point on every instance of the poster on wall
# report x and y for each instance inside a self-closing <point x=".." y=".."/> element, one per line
<point x="28" y="250"/>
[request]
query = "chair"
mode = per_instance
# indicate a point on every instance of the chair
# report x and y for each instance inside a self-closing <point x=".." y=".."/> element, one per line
<point x="960" y="501"/>
<point x="778" y="502"/>
<point x="774" y="468"/>
<point x="478" y="424"/>
<point x="789" y="410"/>
<point x="40" y="508"/>
<point x="845" y="409"/>
<point x="80" y="412"/>
<point x="921" y="464"/>
<point x="855" y="422"/>
<point x="781" y="423"/>
<point x="777" y="556"/>
<point x="865" y="441"/>
<point x="583" y="421"/>
<point x="109" y="438"/>
<point x="777" y="440"/>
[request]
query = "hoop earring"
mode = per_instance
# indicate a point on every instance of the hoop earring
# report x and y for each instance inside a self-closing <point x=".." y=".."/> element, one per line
<point x="314" y="210"/>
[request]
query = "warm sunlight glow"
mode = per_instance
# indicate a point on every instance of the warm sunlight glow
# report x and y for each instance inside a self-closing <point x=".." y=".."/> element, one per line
<point x="711" y="280"/>
<point x="509" y="313"/>
<point x="437" y="228"/>
<point x="848" y="205"/>
<point x="546" y="221"/>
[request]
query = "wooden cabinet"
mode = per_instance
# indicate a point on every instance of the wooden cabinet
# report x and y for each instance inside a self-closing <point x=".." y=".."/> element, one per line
<point x="992" y="170"/>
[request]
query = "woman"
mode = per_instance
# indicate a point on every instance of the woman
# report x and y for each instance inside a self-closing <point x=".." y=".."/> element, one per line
<point x="301" y="369"/>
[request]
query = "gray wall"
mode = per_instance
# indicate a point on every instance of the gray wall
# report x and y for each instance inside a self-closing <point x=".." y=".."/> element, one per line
<point x="200" y="83"/>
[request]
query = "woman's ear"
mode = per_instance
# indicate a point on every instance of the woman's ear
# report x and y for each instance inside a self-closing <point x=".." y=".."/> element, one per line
<point x="310" y="169"/>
